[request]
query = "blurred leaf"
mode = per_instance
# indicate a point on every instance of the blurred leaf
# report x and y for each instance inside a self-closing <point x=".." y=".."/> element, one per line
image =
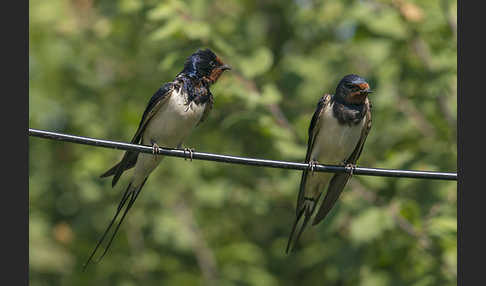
<point x="369" y="225"/>
<point x="256" y="64"/>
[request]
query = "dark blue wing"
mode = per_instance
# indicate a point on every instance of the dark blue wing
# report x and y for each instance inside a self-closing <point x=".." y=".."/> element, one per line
<point x="159" y="95"/>
<point x="321" y="105"/>
<point x="301" y="208"/>
<point x="130" y="158"/>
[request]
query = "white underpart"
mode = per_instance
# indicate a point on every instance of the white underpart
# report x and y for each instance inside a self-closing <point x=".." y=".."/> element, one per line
<point x="331" y="149"/>
<point x="168" y="128"/>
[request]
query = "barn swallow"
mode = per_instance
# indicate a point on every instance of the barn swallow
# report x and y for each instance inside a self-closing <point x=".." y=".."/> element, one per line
<point x="171" y="114"/>
<point x="337" y="133"/>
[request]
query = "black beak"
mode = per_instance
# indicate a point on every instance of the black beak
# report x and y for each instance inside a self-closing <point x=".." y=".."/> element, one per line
<point x="225" y="67"/>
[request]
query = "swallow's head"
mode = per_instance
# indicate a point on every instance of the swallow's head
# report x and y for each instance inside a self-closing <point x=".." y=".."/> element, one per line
<point x="353" y="89"/>
<point x="205" y="65"/>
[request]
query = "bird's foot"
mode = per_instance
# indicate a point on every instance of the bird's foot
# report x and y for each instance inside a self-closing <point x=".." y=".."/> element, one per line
<point x="350" y="168"/>
<point x="312" y="165"/>
<point x="190" y="151"/>
<point x="309" y="199"/>
<point x="155" y="149"/>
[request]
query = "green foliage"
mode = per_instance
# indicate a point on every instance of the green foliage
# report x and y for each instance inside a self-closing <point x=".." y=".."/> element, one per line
<point x="93" y="67"/>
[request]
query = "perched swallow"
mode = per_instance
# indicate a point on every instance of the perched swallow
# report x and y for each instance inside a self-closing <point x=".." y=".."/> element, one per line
<point x="171" y="114"/>
<point x="337" y="133"/>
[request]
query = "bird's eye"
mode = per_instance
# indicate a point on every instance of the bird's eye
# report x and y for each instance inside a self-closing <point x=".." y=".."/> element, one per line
<point x="212" y="64"/>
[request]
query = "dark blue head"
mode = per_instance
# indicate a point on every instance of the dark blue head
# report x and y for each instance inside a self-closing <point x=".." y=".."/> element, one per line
<point x="204" y="65"/>
<point x="352" y="89"/>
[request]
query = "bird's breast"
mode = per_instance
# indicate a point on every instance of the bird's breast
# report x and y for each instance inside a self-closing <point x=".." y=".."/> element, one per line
<point x="335" y="142"/>
<point x="174" y="121"/>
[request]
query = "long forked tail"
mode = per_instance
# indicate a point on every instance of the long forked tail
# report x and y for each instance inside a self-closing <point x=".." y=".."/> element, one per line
<point x="304" y="224"/>
<point x="115" y="171"/>
<point x="127" y="162"/>
<point x="130" y="195"/>
<point x="111" y="171"/>
<point x="307" y="210"/>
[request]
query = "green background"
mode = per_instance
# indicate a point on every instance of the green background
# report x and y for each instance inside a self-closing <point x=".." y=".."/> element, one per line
<point x="93" y="65"/>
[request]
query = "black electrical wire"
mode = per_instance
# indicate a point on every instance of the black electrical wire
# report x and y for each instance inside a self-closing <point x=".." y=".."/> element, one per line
<point x="242" y="160"/>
